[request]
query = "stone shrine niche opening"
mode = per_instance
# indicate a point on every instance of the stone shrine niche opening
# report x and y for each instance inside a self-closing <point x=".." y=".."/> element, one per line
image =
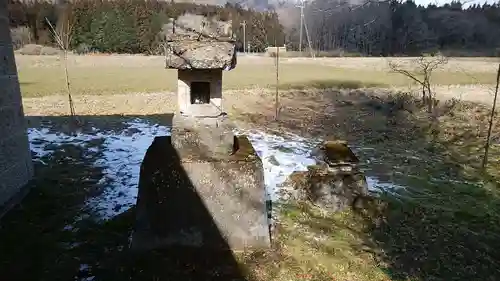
<point x="200" y="92"/>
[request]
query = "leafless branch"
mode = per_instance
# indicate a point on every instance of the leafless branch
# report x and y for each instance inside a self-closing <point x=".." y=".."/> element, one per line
<point x="64" y="45"/>
<point x="424" y="67"/>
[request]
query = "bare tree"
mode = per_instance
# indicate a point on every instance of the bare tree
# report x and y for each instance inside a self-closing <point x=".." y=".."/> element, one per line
<point x="424" y="66"/>
<point x="62" y="34"/>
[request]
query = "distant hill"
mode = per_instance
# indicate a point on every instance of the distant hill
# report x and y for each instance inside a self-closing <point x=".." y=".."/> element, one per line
<point x="259" y="5"/>
<point x="287" y="11"/>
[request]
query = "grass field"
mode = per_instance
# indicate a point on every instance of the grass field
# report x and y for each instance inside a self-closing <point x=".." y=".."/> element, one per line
<point x="444" y="226"/>
<point x="96" y="75"/>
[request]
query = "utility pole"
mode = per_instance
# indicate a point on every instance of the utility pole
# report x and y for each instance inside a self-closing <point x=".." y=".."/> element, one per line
<point x="301" y="6"/>
<point x="307" y="35"/>
<point x="244" y="24"/>
<point x="303" y="24"/>
<point x="277" y="104"/>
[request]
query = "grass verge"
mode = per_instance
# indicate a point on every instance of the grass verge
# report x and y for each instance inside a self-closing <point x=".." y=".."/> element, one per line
<point x="441" y="226"/>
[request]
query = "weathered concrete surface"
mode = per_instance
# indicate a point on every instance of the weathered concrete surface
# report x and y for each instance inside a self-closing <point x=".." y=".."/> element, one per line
<point x="201" y="55"/>
<point x="202" y="199"/>
<point x="335" y="183"/>
<point x="173" y="219"/>
<point x="190" y="27"/>
<point x="16" y="168"/>
<point x="197" y="42"/>
<point x="207" y="138"/>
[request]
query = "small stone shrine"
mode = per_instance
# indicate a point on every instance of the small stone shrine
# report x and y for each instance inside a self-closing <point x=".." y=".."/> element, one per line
<point x="222" y="170"/>
<point x="335" y="183"/>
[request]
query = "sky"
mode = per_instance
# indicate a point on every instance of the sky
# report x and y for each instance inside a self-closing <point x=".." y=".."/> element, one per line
<point x="465" y="3"/>
<point x="442" y="2"/>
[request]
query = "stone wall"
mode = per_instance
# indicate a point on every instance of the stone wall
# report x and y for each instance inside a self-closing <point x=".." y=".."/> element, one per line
<point x="16" y="168"/>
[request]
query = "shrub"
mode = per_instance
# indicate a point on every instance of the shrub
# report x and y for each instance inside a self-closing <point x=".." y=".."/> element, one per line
<point x="33" y="49"/>
<point x="20" y="36"/>
<point x="83" y="49"/>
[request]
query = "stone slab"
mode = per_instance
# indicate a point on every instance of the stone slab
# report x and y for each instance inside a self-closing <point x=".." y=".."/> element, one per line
<point x="203" y="137"/>
<point x="200" y="55"/>
<point x="199" y="201"/>
<point x="197" y="27"/>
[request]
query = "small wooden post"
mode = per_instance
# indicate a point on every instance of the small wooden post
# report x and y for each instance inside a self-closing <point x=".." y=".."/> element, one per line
<point x="277" y="107"/>
<point x="487" y="145"/>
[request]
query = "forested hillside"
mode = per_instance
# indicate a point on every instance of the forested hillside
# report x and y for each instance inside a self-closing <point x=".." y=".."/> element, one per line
<point x="370" y="28"/>
<point x="403" y="28"/>
<point x="128" y="26"/>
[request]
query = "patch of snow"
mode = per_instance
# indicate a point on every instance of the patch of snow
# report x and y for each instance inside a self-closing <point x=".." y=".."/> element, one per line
<point x="68" y="227"/>
<point x="282" y="155"/>
<point x="122" y="158"/>
<point x="84" y="267"/>
<point x="376" y="186"/>
<point x="41" y="138"/>
<point x="122" y="154"/>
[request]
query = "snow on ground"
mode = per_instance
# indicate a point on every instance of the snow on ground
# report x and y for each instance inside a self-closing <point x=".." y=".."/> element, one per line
<point x="281" y="156"/>
<point x="123" y="152"/>
<point x="122" y="157"/>
<point x="43" y="141"/>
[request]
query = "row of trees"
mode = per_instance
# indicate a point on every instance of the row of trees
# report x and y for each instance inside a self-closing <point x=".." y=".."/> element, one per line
<point x="403" y="28"/>
<point x="131" y="26"/>
<point x="384" y="27"/>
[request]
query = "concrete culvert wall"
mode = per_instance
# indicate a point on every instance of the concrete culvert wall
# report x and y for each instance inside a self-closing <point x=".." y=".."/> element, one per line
<point x="16" y="167"/>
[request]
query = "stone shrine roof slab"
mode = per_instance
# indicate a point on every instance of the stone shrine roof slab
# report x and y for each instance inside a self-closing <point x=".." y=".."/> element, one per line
<point x="201" y="55"/>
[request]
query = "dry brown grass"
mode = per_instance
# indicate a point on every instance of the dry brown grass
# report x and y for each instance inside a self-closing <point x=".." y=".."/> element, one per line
<point x="118" y="74"/>
<point x="341" y="247"/>
<point x="345" y="246"/>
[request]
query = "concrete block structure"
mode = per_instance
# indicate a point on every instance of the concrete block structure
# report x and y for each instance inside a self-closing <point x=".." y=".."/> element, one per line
<point x="16" y="167"/>
<point x="202" y="186"/>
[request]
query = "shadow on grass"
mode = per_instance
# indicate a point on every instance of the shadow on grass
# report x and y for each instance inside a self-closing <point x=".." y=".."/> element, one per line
<point x="53" y="235"/>
<point x="444" y="224"/>
<point x="331" y="84"/>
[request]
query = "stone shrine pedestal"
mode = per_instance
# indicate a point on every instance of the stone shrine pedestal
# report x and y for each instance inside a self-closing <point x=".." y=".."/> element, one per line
<point x="201" y="187"/>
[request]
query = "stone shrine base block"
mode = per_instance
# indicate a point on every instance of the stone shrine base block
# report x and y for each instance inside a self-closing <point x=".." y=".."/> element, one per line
<point x="190" y="198"/>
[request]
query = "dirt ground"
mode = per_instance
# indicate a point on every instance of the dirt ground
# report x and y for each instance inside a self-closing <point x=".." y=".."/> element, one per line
<point x="256" y="101"/>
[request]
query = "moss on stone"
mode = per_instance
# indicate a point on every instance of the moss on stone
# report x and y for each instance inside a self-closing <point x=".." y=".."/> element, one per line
<point x="297" y="179"/>
<point x="243" y="149"/>
<point x="338" y="151"/>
